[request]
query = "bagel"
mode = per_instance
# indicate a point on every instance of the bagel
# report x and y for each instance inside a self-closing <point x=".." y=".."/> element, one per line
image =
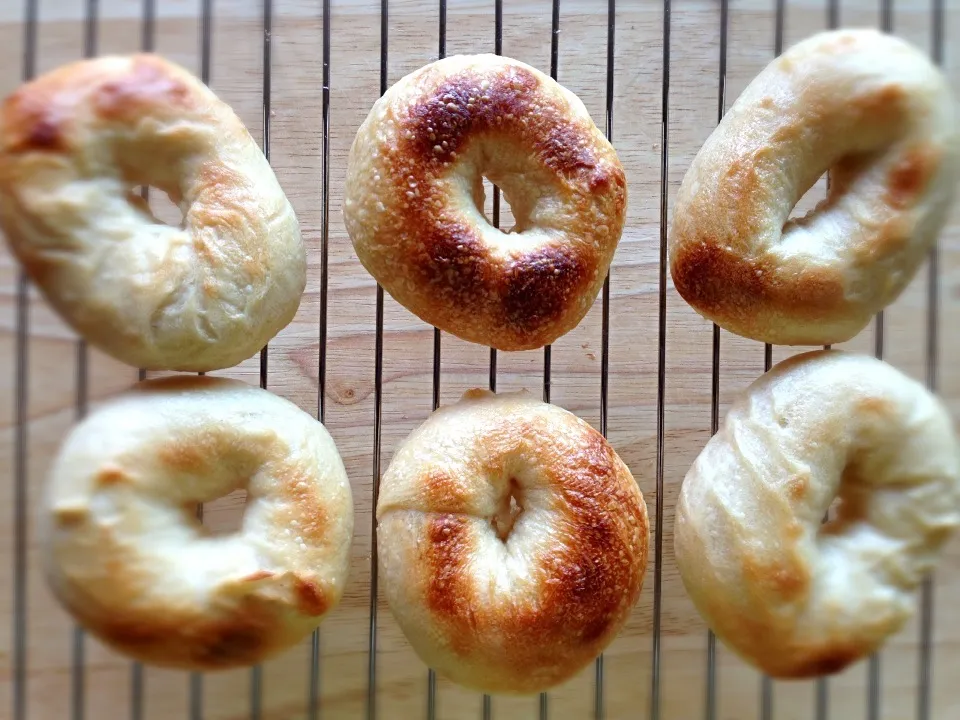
<point x="880" y="116"/>
<point x="414" y="199"/>
<point x="791" y="597"/>
<point x="205" y="295"/>
<point x="512" y="542"/>
<point x="126" y="556"/>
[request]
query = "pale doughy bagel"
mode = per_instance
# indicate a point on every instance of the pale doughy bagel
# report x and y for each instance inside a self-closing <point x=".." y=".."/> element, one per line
<point x="876" y="113"/>
<point x="512" y="542"/>
<point x="792" y="597"/>
<point x="126" y="556"/>
<point x="207" y="295"/>
<point x="415" y="189"/>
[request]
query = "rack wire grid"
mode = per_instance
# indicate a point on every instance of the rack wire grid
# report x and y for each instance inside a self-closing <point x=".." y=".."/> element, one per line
<point x="642" y="367"/>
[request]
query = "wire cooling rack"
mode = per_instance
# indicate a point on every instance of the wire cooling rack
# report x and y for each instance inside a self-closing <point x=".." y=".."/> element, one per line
<point x="642" y="367"/>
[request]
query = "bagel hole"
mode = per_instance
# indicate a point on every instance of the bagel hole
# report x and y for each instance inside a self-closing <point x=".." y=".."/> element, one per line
<point x="157" y="205"/>
<point x="809" y="201"/>
<point x="223" y="516"/>
<point x="495" y="207"/>
<point x="849" y="507"/>
<point x="511" y="507"/>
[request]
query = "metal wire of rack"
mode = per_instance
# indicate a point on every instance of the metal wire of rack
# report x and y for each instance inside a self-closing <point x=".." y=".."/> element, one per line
<point x="313" y="706"/>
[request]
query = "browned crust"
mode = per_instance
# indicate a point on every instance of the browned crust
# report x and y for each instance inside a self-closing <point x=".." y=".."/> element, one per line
<point x="32" y="121"/>
<point x="911" y="175"/>
<point x="111" y="475"/>
<point x="243" y="635"/>
<point x="787" y="578"/>
<point x="449" y="595"/>
<point x="311" y="598"/>
<point x="543" y="284"/>
<point x="796" y="658"/>
<point x="513" y="103"/>
<point x="201" y="450"/>
<point x="226" y="201"/>
<point x="826" y="660"/>
<point x="302" y="508"/>
<point x="740" y="292"/>
<point x="798" y="487"/>
<point x="41" y="115"/>
<point x="439" y="266"/>
<point x="528" y="294"/>
<point x="259" y="575"/>
<point x="149" y="84"/>
<point x="246" y="622"/>
<point x="210" y="646"/>
<point x="586" y="585"/>
<point x="446" y="493"/>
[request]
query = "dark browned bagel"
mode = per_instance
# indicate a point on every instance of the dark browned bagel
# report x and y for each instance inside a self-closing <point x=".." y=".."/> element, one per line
<point x="512" y="542"/>
<point x="415" y="189"/>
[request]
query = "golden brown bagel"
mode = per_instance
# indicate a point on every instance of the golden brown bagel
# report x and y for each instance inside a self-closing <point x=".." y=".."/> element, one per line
<point x="126" y="556"/>
<point x="206" y="295"/>
<point x="795" y="598"/>
<point x="512" y="542"/>
<point x="876" y="113"/>
<point x="415" y="192"/>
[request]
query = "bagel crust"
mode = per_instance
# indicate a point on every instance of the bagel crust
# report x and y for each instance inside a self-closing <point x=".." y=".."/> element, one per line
<point x="415" y="191"/>
<point x="205" y="295"/>
<point x="125" y="554"/>
<point x="793" y="597"/>
<point x="878" y="115"/>
<point x="512" y="542"/>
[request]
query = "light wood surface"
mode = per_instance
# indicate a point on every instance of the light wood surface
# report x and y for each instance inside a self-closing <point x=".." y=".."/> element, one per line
<point x="295" y="142"/>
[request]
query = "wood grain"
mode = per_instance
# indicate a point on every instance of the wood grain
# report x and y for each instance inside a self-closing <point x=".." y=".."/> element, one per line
<point x="295" y="141"/>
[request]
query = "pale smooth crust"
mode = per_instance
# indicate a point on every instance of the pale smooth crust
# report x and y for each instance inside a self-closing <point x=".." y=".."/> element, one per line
<point x="794" y="598"/>
<point x="415" y="183"/>
<point x="127" y="557"/>
<point x="880" y="116"/>
<point x="75" y="142"/>
<point x="499" y="601"/>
